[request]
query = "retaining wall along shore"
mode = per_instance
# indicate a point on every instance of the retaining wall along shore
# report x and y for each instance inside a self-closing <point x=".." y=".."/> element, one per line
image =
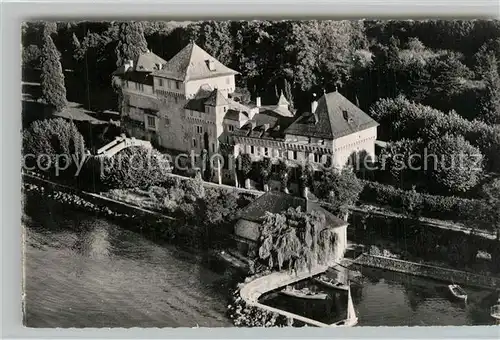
<point x="433" y="272"/>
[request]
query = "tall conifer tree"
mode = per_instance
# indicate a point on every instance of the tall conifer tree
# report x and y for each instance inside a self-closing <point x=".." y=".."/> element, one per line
<point x="52" y="76"/>
<point x="131" y="42"/>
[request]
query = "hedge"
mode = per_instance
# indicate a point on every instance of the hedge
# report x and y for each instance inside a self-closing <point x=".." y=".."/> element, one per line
<point x="440" y="207"/>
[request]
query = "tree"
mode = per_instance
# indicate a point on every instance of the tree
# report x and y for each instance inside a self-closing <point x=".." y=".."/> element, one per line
<point x="52" y="76"/>
<point x="139" y="167"/>
<point x="49" y="28"/>
<point x="296" y="240"/>
<point x="447" y="73"/>
<point x="220" y="206"/>
<point x="306" y="173"/>
<point x="54" y="144"/>
<point x="490" y="103"/>
<point x="341" y="189"/>
<point x="245" y="164"/>
<point x="131" y="42"/>
<point x="214" y="37"/>
<point x="398" y="161"/>
<point x="288" y="94"/>
<point x="265" y="168"/>
<point x="491" y="193"/>
<point x="321" y="52"/>
<point x="31" y="56"/>
<point x="454" y="164"/>
<point x="76" y="47"/>
<point x="284" y="174"/>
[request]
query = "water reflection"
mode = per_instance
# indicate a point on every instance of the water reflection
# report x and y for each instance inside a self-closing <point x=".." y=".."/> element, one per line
<point x="82" y="271"/>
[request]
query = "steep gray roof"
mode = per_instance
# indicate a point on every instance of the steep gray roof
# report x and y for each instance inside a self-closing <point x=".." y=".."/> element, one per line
<point x="236" y="115"/>
<point x="192" y="63"/>
<point x="335" y="117"/>
<point x="276" y="202"/>
<point x="216" y="98"/>
<point x="146" y="62"/>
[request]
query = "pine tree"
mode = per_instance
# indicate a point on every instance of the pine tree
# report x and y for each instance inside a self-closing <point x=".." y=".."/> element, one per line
<point x="288" y="93"/>
<point x="490" y="108"/>
<point x="131" y="43"/>
<point x="52" y="76"/>
<point x="76" y="43"/>
<point x="49" y="28"/>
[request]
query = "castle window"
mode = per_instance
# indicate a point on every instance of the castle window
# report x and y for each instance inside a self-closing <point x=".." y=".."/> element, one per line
<point x="230" y="128"/>
<point x="177" y="85"/>
<point x="194" y="142"/>
<point x="160" y="82"/>
<point x="252" y="149"/>
<point x="266" y="151"/>
<point x="199" y="129"/>
<point x="317" y="158"/>
<point x="213" y="147"/>
<point x="151" y="122"/>
<point x="138" y="87"/>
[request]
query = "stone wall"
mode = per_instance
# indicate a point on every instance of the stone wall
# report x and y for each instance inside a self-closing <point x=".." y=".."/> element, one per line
<point x="433" y="272"/>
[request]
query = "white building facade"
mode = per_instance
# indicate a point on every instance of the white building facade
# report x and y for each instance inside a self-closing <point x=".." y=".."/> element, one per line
<point x="186" y="104"/>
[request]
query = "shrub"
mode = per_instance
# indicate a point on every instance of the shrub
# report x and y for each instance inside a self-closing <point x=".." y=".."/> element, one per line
<point x="458" y="165"/>
<point x="135" y="167"/>
<point x="53" y="143"/>
<point x="340" y="189"/>
<point x="440" y="207"/>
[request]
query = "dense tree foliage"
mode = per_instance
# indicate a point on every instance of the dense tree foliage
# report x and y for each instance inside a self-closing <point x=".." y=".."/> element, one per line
<point x="369" y="59"/>
<point x="340" y="189"/>
<point x="401" y="118"/>
<point x="53" y="143"/>
<point x="265" y="170"/>
<point x="52" y="77"/>
<point x="31" y="56"/>
<point x="245" y="168"/>
<point x="135" y="167"/>
<point x="490" y="108"/>
<point x="131" y="42"/>
<point x="454" y="164"/>
<point x="491" y="193"/>
<point x="296" y="240"/>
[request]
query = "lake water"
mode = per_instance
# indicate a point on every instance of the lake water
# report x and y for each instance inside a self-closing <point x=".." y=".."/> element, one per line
<point x="84" y="271"/>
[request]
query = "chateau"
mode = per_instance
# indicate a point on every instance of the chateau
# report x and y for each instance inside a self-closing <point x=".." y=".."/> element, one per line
<point x="189" y="104"/>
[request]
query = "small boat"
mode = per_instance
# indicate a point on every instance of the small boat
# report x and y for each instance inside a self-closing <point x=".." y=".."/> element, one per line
<point x="495" y="312"/>
<point x="458" y="292"/>
<point x="304" y="293"/>
<point x="352" y="318"/>
<point x="331" y="283"/>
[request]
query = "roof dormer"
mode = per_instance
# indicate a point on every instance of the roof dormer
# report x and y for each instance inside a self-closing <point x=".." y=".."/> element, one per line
<point x="210" y="64"/>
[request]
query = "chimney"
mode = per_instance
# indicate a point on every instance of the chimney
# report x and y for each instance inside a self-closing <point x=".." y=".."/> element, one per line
<point x="305" y="192"/>
<point x="252" y="112"/>
<point x="314" y="105"/>
<point x="129" y="64"/>
<point x="257" y="102"/>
